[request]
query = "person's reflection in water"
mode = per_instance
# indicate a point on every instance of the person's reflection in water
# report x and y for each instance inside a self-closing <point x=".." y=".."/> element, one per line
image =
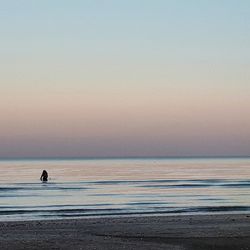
<point x="44" y="176"/>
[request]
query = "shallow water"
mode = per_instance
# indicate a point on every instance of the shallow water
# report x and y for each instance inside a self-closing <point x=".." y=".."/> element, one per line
<point x="109" y="187"/>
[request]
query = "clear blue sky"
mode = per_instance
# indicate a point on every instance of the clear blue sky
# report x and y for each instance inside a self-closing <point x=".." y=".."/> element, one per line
<point x="124" y="78"/>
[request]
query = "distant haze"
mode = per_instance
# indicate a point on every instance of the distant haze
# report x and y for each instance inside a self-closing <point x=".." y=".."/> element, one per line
<point x="124" y="78"/>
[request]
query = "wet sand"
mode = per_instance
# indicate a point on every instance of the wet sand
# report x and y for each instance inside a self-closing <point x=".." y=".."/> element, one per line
<point x="203" y="232"/>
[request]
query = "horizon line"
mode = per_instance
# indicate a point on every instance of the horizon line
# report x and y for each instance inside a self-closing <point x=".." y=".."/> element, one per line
<point x="122" y="157"/>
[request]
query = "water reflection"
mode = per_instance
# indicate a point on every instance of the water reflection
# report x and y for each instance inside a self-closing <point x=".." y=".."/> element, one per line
<point x="116" y="187"/>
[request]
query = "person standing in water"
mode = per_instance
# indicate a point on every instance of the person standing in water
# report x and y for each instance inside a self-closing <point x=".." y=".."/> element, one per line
<point x="44" y="176"/>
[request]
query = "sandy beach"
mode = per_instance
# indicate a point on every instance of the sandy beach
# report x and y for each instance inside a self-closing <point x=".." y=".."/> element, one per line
<point x="229" y="232"/>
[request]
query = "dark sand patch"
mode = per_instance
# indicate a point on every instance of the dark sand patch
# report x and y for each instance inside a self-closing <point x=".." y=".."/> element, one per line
<point x="203" y="232"/>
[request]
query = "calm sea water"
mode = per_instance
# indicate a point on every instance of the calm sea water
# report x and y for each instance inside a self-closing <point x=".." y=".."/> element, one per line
<point x="110" y="187"/>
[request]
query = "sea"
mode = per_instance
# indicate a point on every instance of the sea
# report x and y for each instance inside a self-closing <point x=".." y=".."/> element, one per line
<point x="110" y="187"/>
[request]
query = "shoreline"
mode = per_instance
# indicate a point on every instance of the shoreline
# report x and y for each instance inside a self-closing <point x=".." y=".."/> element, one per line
<point x="217" y="231"/>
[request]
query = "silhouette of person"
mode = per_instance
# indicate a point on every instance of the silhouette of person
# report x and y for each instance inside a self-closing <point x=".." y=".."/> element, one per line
<point x="44" y="176"/>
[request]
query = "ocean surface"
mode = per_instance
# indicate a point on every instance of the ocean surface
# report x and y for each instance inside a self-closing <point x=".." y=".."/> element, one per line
<point x="120" y="187"/>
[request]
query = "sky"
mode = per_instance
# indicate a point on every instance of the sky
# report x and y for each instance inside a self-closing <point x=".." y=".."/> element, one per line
<point x="127" y="78"/>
